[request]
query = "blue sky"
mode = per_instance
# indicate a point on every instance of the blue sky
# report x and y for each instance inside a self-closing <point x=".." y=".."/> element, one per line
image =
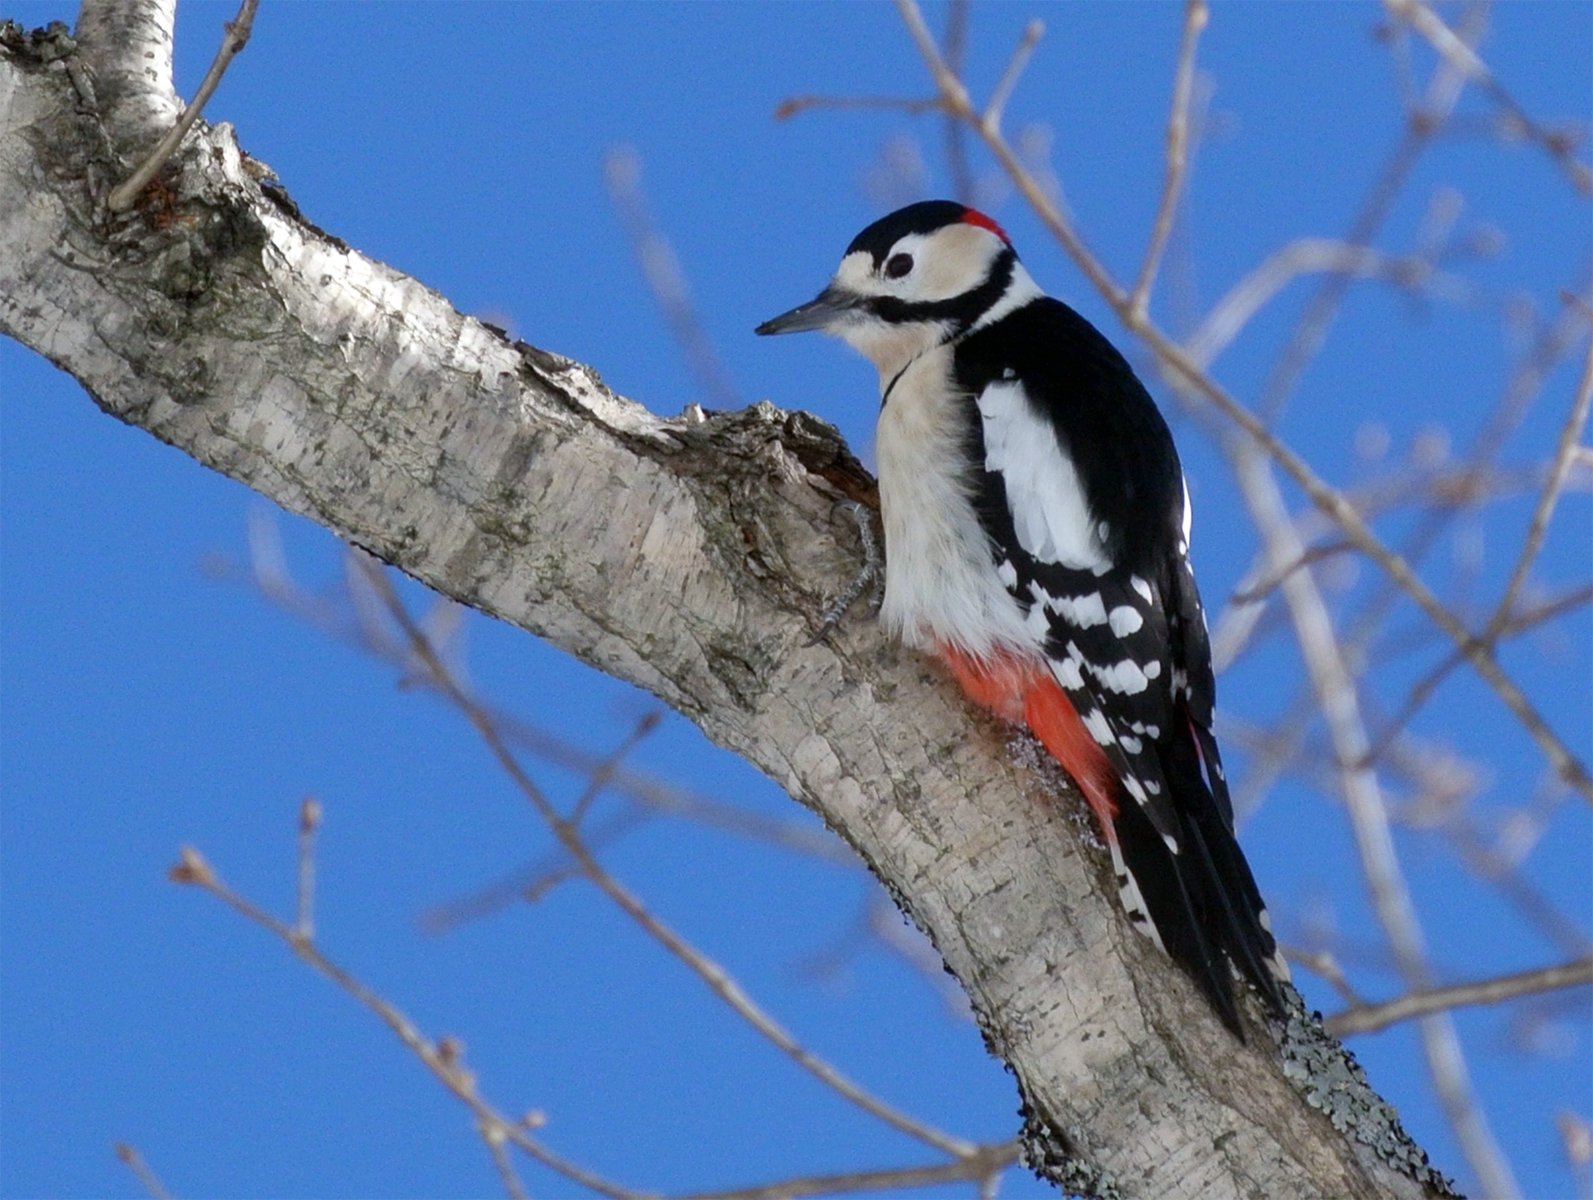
<point x="148" y="703"/>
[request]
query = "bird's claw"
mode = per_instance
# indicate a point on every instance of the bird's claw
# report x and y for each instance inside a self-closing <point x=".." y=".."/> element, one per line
<point x="873" y="564"/>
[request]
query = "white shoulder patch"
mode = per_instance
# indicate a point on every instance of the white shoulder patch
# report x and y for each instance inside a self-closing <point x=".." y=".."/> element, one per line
<point x="1189" y="518"/>
<point x="1050" y="514"/>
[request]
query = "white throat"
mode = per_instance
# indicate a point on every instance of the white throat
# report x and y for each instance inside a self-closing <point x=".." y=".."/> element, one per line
<point x="891" y="346"/>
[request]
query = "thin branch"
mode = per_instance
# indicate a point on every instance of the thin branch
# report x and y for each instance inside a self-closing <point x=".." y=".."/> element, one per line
<point x="1032" y="33"/>
<point x="1485" y="859"/>
<point x="1195" y="16"/>
<point x="1330" y="500"/>
<point x="877" y="925"/>
<point x="1254" y="593"/>
<point x="1424" y="688"/>
<point x="268" y="574"/>
<point x="603" y="775"/>
<point x="1565" y="451"/>
<point x="1306" y="256"/>
<point x="530" y="883"/>
<point x="1567" y="601"/>
<point x="234" y="39"/>
<point x="953" y="95"/>
<point x="962" y="180"/>
<point x="440" y="1058"/>
<point x="1368" y="1018"/>
<point x="717" y="979"/>
<point x="954" y="98"/>
<point x="666" y="280"/>
<point x="1576" y="1138"/>
<point x="1324" y="964"/>
<point x="1363" y="799"/>
<point x="791" y="107"/>
<point x="128" y="1155"/>
<point x="1310" y="331"/>
<point x="497" y="1142"/>
<point x="309" y="823"/>
<point x="978" y="1166"/>
<point x="1463" y="59"/>
<point x="990" y="1186"/>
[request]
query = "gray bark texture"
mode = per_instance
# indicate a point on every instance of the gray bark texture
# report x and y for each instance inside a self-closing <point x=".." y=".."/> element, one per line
<point x="689" y="556"/>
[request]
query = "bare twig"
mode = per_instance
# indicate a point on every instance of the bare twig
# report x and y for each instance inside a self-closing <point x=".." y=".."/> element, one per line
<point x="1308" y="256"/>
<point x="234" y="39"/>
<point x="128" y="1155"/>
<point x="1504" y="620"/>
<point x="530" y="883"/>
<point x="977" y="1166"/>
<point x="269" y="575"/>
<point x="1390" y="896"/>
<point x="990" y="1186"/>
<point x="962" y="180"/>
<point x="441" y="1058"/>
<point x="1424" y="688"/>
<point x="1324" y="964"/>
<point x="1195" y="16"/>
<point x="309" y="822"/>
<point x="665" y="279"/>
<point x="1483" y="857"/>
<point x="496" y="1139"/>
<point x="603" y="774"/>
<point x="996" y="106"/>
<point x="1576" y="1137"/>
<point x="1463" y="59"/>
<point x="717" y="979"/>
<point x="1310" y="331"/>
<point x="787" y="109"/>
<point x="1368" y="1018"/>
<point x="1253" y="593"/>
<point x="879" y="926"/>
<point x="1330" y="500"/>
<point x="1570" y="437"/>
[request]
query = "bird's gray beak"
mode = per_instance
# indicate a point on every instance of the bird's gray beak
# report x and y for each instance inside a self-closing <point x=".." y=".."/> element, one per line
<point x="818" y="313"/>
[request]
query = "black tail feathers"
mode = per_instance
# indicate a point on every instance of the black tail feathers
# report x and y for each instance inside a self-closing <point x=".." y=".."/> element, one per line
<point x="1203" y="904"/>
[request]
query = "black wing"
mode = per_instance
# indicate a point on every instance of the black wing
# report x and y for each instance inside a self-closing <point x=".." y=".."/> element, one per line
<point x="1126" y="633"/>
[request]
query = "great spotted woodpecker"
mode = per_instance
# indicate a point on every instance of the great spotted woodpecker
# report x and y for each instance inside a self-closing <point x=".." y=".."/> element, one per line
<point x="1036" y="539"/>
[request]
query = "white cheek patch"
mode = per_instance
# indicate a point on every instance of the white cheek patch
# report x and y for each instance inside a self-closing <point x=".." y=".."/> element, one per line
<point x="946" y="264"/>
<point x="951" y="261"/>
<point x="1049" y="512"/>
<point x="856" y="272"/>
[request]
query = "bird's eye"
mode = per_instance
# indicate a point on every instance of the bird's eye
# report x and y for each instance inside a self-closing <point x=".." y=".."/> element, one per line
<point x="898" y="265"/>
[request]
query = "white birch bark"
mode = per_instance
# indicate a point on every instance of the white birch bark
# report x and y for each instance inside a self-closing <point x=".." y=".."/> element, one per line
<point x="687" y="556"/>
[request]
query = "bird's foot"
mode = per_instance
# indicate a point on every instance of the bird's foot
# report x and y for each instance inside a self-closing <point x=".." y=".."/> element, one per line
<point x="866" y="580"/>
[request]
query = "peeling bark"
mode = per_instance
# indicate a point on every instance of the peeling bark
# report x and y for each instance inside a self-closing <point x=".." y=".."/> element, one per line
<point x="688" y="556"/>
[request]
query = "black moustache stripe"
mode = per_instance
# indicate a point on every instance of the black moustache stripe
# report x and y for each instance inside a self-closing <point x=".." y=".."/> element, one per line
<point x="959" y="312"/>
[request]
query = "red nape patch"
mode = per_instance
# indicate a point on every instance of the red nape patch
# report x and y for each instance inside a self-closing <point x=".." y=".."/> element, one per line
<point x="1018" y="689"/>
<point x="972" y="216"/>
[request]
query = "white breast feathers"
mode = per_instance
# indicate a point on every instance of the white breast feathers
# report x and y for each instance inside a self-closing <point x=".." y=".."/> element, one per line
<point x="941" y="582"/>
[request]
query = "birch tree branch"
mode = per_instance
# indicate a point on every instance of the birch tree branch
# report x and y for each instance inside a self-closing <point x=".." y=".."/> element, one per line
<point x="687" y="556"/>
<point x="234" y="38"/>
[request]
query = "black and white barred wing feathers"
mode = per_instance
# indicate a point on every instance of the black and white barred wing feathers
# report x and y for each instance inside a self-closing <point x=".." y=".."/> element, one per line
<point x="1079" y="488"/>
